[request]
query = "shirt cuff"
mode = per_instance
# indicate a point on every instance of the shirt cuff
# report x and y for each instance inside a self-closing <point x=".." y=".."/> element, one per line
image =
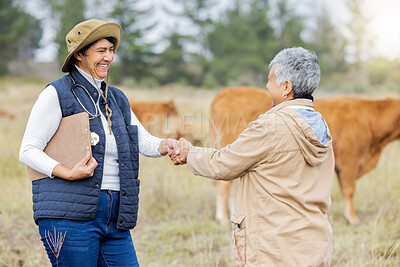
<point x="55" y="163"/>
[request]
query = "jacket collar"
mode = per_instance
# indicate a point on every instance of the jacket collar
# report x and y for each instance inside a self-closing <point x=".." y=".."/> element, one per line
<point x="80" y="79"/>
<point x="308" y="103"/>
<point x="89" y="78"/>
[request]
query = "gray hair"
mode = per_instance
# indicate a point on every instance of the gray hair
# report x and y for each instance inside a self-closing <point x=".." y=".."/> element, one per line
<point x="300" y="66"/>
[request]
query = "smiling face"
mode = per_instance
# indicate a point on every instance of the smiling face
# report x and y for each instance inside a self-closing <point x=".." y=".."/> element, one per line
<point x="99" y="57"/>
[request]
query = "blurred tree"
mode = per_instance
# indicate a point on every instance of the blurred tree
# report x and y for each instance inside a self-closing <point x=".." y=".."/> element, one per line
<point x="171" y="67"/>
<point x="29" y="40"/>
<point x="289" y="26"/>
<point x="98" y="9"/>
<point x="248" y="37"/>
<point x="134" y="54"/>
<point x="379" y="70"/>
<point x="241" y="42"/>
<point x="329" y="44"/>
<point x="66" y="14"/>
<point x="199" y="14"/>
<point x="20" y="34"/>
<point x="360" y="41"/>
<point x="384" y="73"/>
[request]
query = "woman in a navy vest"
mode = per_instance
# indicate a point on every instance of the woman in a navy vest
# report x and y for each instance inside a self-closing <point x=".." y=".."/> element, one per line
<point x="92" y="206"/>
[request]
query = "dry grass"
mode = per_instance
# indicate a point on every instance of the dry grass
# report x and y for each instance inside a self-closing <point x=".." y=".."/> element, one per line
<point x="176" y="226"/>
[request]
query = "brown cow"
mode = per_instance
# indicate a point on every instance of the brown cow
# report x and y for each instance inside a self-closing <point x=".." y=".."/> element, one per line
<point x="6" y="114"/>
<point x="360" y="129"/>
<point x="154" y="115"/>
<point x="162" y="119"/>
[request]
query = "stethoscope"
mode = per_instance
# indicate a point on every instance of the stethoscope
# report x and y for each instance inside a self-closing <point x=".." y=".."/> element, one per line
<point x="79" y="86"/>
<point x="94" y="137"/>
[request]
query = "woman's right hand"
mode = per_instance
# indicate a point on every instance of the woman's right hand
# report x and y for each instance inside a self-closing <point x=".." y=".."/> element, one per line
<point x="80" y="171"/>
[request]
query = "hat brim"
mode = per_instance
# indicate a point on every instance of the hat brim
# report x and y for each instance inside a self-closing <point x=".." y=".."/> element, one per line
<point x="109" y="29"/>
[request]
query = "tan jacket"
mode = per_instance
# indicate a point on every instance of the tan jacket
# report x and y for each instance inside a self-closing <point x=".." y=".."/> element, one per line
<point x="286" y="177"/>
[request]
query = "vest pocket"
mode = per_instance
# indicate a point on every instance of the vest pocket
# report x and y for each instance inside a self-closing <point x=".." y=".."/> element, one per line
<point x="238" y="239"/>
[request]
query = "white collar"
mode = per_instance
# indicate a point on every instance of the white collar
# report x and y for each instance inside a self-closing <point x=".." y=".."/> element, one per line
<point x="301" y="107"/>
<point x="89" y="78"/>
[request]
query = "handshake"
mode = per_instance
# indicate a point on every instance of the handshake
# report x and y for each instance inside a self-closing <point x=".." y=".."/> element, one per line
<point x="177" y="150"/>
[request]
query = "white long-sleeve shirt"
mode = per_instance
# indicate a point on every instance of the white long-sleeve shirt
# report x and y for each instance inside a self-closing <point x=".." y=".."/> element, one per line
<point x="43" y="122"/>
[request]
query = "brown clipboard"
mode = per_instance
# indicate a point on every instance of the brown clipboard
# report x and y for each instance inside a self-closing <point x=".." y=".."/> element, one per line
<point x="70" y="143"/>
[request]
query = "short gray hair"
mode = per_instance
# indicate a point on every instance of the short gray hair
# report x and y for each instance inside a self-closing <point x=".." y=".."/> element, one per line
<point x="300" y="66"/>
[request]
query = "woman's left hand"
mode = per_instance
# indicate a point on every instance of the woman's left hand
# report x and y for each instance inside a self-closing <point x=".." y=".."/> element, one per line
<point x="80" y="171"/>
<point x="167" y="145"/>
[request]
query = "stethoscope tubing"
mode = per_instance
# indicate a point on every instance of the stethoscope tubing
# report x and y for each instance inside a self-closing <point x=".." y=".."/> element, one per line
<point x="76" y="85"/>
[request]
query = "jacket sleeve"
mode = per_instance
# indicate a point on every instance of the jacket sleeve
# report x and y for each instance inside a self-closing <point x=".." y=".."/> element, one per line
<point x="148" y="144"/>
<point x="234" y="160"/>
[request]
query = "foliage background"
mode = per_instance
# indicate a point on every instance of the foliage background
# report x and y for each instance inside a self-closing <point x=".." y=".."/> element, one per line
<point x="211" y="45"/>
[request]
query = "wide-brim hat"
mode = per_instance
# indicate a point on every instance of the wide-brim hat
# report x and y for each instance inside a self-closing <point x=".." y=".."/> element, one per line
<point x="88" y="32"/>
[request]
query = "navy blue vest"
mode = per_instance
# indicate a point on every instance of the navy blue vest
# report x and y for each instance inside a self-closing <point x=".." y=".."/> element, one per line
<point x="78" y="200"/>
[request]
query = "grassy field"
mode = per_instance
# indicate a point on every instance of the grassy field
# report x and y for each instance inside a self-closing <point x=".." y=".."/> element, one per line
<point x="176" y="226"/>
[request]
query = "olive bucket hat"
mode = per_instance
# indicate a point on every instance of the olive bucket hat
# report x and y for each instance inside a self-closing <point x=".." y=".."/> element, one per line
<point x="88" y="32"/>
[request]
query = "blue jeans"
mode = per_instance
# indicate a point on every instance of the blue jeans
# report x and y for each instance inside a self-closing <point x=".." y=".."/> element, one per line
<point x="90" y="243"/>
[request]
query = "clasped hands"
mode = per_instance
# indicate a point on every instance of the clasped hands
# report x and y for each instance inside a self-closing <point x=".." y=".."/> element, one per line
<point x="178" y="150"/>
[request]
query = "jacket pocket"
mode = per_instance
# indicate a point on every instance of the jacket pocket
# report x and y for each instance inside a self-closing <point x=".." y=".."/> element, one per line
<point x="238" y="239"/>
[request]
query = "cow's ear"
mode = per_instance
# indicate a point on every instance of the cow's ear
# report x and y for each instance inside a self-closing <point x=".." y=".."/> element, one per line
<point x="171" y="104"/>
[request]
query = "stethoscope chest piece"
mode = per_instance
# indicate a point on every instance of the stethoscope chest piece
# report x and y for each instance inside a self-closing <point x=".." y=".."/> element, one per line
<point x="94" y="138"/>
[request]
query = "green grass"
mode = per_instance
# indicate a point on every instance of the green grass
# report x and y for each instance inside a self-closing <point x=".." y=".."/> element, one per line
<point x="176" y="226"/>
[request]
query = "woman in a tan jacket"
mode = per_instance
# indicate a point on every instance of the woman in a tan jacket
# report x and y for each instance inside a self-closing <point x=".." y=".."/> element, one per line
<point x="286" y="166"/>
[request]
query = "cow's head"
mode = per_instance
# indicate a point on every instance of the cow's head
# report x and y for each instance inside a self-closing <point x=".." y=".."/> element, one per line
<point x="171" y="108"/>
